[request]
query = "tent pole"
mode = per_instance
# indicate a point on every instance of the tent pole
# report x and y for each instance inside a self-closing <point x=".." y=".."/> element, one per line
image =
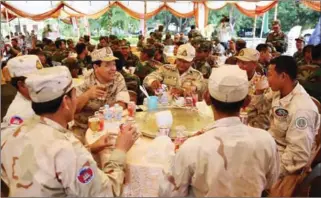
<point x="261" y="34"/>
<point x="254" y="28"/>
<point x="276" y="12"/>
<point x="8" y="23"/>
<point x="145" y="24"/>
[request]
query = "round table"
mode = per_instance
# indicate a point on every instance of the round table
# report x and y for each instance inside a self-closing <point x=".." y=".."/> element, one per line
<point x="141" y="177"/>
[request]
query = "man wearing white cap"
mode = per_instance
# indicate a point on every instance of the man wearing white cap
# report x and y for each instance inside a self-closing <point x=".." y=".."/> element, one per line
<point x="247" y="60"/>
<point x="43" y="159"/>
<point x="104" y="85"/>
<point x="181" y="78"/>
<point x="20" y="108"/>
<point x="229" y="158"/>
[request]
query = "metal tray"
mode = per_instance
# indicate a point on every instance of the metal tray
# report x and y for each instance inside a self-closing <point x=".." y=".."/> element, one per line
<point x="191" y="119"/>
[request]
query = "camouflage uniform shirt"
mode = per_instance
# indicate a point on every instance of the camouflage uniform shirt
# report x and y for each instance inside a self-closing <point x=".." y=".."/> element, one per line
<point x="132" y="60"/>
<point x="116" y="90"/>
<point x="43" y="159"/>
<point x="294" y="124"/>
<point x="203" y="67"/>
<point x="59" y="55"/>
<point x="229" y="160"/>
<point x="298" y="56"/>
<point x="145" y="68"/>
<point x="278" y="40"/>
<point x="169" y="75"/>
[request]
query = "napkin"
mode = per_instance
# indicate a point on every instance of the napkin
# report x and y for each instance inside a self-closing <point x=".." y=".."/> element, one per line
<point x="160" y="151"/>
<point x="164" y="119"/>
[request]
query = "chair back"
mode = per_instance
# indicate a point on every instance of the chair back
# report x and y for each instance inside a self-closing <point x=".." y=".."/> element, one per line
<point x="318" y="136"/>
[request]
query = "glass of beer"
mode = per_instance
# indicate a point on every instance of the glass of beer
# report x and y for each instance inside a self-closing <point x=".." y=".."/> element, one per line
<point x="103" y="88"/>
<point x="93" y="122"/>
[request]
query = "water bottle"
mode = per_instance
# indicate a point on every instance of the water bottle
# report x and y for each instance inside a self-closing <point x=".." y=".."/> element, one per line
<point x="118" y="112"/>
<point x="108" y="113"/>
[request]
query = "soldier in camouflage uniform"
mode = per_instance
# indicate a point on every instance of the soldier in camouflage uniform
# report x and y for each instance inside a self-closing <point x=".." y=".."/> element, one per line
<point x="298" y="55"/>
<point x="265" y="58"/>
<point x="102" y="85"/>
<point x="278" y="38"/>
<point x="90" y="47"/>
<point x="181" y="78"/>
<point x="159" y="34"/>
<point x="26" y="160"/>
<point x="196" y="35"/>
<point x="200" y="61"/>
<point x="231" y="50"/>
<point x="71" y="45"/>
<point x="159" y="53"/>
<point x="310" y="75"/>
<point x="131" y="60"/>
<point x="168" y="40"/>
<point x="307" y="56"/>
<point x="49" y="48"/>
<point x="84" y="61"/>
<point x="248" y="60"/>
<point x="61" y="51"/>
<point x="147" y="64"/>
<point x="140" y="42"/>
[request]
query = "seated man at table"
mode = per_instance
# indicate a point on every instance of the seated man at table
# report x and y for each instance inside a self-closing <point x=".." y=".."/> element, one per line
<point x="248" y="60"/>
<point x="200" y="61"/>
<point x="43" y="159"/>
<point x="20" y="108"/>
<point x="103" y="85"/>
<point x="229" y="159"/>
<point x="14" y="50"/>
<point x="131" y="60"/>
<point x="294" y="117"/>
<point x="180" y="78"/>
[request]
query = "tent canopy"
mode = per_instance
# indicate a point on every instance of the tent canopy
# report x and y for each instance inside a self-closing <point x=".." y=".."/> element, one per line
<point x="36" y="10"/>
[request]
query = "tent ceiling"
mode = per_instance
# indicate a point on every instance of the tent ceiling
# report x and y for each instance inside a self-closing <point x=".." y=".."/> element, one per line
<point x="40" y="10"/>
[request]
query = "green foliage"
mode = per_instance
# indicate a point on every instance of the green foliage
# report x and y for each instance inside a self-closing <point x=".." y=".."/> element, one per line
<point x="291" y="13"/>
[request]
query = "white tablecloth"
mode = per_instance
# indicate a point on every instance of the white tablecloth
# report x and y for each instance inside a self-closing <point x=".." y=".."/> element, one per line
<point x="142" y="178"/>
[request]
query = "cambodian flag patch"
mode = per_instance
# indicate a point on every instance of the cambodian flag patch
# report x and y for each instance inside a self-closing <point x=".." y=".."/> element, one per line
<point x="85" y="175"/>
<point x="16" y="120"/>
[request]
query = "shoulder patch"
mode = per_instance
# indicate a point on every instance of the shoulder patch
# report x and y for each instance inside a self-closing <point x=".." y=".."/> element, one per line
<point x="281" y="112"/>
<point x="85" y="175"/>
<point x="16" y="120"/>
<point x="301" y="123"/>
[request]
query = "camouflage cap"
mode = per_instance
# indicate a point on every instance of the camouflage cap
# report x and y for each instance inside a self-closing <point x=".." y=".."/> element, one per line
<point x="23" y="65"/>
<point x="125" y="45"/>
<point x="49" y="83"/>
<point x="276" y="22"/>
<point x="205" y="46"/>
<point x="300" y="38"/>
<point x="232" y="40"/>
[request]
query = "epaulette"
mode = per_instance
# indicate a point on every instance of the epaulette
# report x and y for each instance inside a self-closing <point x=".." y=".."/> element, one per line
<point x="170" y="67"/>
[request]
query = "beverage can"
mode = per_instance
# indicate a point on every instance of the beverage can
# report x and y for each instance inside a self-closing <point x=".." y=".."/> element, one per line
<point x="188" y="101"/>
<point x="131" y="109"/>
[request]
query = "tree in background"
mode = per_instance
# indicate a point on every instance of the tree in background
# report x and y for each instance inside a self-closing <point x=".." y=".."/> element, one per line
<point x="291" y="13"/>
